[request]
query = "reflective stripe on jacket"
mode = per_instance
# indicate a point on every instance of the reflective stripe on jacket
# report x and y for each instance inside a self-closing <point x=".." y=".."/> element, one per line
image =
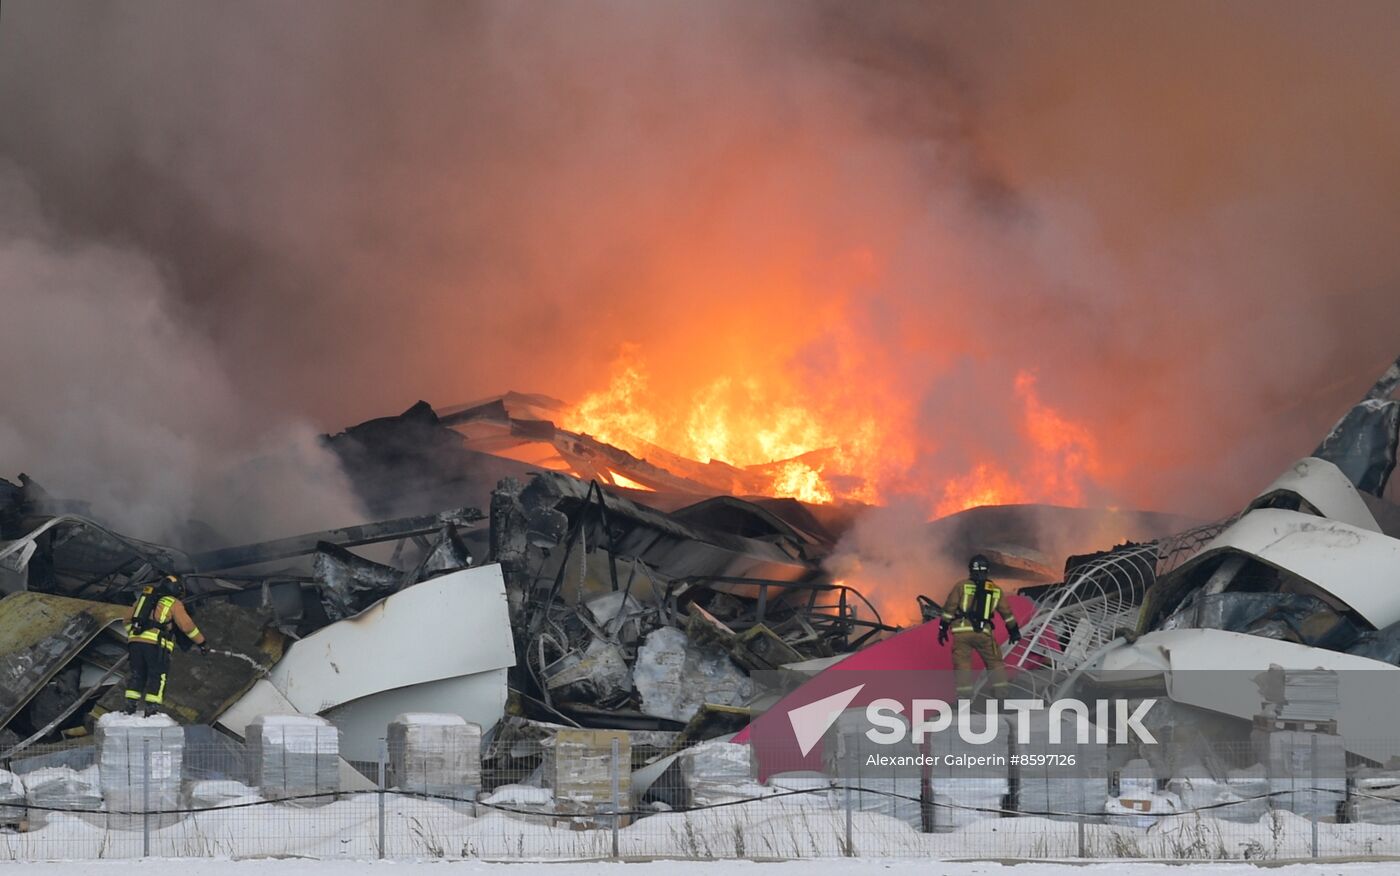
<point x="159" y="632"/>
<point x="963" y="615"/>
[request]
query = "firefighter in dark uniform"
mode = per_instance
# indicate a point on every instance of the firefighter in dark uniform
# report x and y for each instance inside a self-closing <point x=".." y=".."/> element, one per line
<point x="152" y="624"/>
<point x="968" y="614"/>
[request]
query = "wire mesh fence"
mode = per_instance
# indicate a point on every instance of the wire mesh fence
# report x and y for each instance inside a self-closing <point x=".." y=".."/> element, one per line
<point x="595" y="795"/>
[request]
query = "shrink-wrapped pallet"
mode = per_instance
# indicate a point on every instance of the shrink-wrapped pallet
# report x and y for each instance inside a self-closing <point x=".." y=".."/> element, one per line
<point x="717" y="771"/>
<point x="61" y="789"/>
<point x="11" y="798"/>
<point x="140" y="764"/>
<point x="1241" y="796"/>
<point x="1287" y="756"/>
<point x="215" y="793"/>
<point x="970" y="780"/>
<point x="293" y="758"/>
<point x="1062" y="780"/>
<point x="438" y="755"/>
<point x="578" y="769"/>
<point x="1375" y="798"/>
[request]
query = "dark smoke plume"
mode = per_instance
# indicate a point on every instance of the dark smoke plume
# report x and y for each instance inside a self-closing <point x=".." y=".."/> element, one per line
<point x="225" y="224"/>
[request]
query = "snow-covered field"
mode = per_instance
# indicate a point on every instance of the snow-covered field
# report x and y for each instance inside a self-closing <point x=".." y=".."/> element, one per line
<point x="796" y="827"/>
<point x="824" y="867"/>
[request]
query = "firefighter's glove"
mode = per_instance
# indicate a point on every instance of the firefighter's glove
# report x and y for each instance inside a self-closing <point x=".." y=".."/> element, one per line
<point x="1014" y="633"/>
<point x="943" y="633"/>
<point x="204" y="649"/>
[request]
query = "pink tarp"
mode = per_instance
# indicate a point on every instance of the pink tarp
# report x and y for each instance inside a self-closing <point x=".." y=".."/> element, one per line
<point x="885" y="669"/>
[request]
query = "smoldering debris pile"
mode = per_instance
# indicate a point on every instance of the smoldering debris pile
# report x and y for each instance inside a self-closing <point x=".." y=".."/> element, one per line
<point x="570" y="599"/>
<point x="531" y="595"/>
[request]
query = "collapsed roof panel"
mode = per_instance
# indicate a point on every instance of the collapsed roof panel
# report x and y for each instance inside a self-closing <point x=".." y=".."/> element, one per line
<point x="1357" y="566"/>
<point x="70" y="545"/>
<point x="749" y="519"/>
<point x="39" y="635"/>
<point x="1325" y="487"/>
<point x="680" y="550"/>
<point x="454" y="625"/>
<point x="1363" y="444"/>
<point x="498" y="428"/>
<point x="1292" y="617"/>
<point x="413" y="464"/>
<point x="241" y="556"/>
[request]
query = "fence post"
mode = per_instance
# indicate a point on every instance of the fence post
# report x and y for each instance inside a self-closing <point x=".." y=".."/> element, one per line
<point x="842" y="781"/>
<point x="616" y="770"/>
<point x="383" y="766"/>
<point x="1082" y="773"/>
<point x="145" y="796"/>
<point x="1314" y="795"/>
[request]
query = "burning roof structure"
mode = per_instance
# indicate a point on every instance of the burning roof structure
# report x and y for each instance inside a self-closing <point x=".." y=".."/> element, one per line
<point x="519" y="571"/>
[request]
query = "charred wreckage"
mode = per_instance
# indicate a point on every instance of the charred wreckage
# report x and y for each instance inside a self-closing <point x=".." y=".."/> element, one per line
<point x="570" y="584"/>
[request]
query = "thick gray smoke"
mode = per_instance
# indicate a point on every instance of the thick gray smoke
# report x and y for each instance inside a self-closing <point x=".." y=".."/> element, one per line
<point x="110" y="399"/>
<point x="1180" y="219"/>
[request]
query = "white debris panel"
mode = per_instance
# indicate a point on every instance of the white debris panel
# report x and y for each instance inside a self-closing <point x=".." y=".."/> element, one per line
<point x="1338" y="558"/>
<point x="1323" y="486"/>
<point x="445" y="627"/>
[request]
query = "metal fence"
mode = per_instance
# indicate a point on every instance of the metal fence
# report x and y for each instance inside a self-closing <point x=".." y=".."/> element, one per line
<point x="530" y="799"/>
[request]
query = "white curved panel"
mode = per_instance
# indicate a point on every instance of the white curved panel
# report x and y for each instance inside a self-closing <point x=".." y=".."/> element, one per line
<point x="1324" y="487"/>
<point x="445" y="627"/>
<point x="1357" y="566"/>
<point x="1198" y="676"/>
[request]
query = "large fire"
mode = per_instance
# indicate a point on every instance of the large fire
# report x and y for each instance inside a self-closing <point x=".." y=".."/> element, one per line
<point x="833" y="456"/>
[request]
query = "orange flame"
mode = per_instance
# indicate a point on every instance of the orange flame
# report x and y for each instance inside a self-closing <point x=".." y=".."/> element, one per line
<point x="817" y="456"/>
<point x="986" y="484"/>
<point x="624" y="481"/>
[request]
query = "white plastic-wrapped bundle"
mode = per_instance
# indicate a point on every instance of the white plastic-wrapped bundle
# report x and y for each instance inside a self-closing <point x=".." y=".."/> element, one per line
<point x="871" y="773"/>
<point x="435" y="754"/>
<point x="1376" y="798"/>
<point x="1241" y="796"/>
<point x="1048" y="782"/>
<point x="140" y="762"/>
<point x="959" y="802"/>
<point x="220" y="792"/>
<point x="523" y="803"/>
<point x="675" y="676"/>
<point x="970" y="778"/>
<point x="293" y="756"/>
<point x="1287" y="756"/>
<point x="61" y="789"/>
<point x="717" y="771"/>
<point x="11" y="797"/>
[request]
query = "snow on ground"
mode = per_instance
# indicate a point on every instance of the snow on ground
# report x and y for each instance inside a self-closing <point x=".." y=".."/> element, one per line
<point x="794" y="827"/>
<point x="823" y="867"/>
